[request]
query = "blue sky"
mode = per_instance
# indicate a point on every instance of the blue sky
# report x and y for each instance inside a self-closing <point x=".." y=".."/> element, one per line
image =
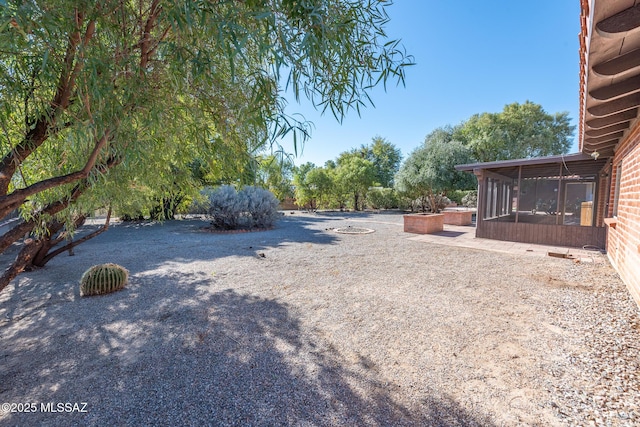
<point x="471" y="57"/>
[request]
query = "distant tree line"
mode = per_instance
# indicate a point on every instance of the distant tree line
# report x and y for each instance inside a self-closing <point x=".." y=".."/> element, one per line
<point x="373" y="175"/>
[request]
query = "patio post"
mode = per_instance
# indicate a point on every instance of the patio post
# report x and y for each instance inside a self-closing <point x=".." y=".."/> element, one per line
<point x="559" y="191"/>
<point x="481" y="202"/>
<point x="518" y="199"/>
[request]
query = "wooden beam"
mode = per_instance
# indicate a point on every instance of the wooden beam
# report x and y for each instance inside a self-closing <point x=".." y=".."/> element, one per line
<point x="617" y="105"/>
<point x="613" y="119"/>
<point x="619" y="64"/>
<point x="620" y="24"/>
<point x="611" y="142"/>
<point x="605" y="151"/>
<point x="519" y="191"/>
<point x="615" y="90"/>
<point x="604" y="138"/>
<point x="601" y="145"/>
<point x="489" y="174"/>
<point x="607" y="130"/>
<point x="559" y="191"/>
<point x="480" y="209"/>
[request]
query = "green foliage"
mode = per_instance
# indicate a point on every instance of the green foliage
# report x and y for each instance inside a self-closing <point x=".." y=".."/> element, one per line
<point x="314" y="186"/>
<point x="320" y="182"/>
<point x="251" y="207"/>
<point x="103" y="279"/>
<point x="463" y="197"/>
<point x="382" y="198"/>
<point x="386" y="159"/>
<point x="519" y="131"/>
<point x="456" y="196"/>
<point x="429" y="172"/>
<point x="275" y="173"/>
<point x="303" y="190"/>
<point x="106" y="101"/>
<point x="354" y="175"/>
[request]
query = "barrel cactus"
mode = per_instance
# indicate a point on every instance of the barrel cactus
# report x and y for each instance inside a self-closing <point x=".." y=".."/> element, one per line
<point x="103" y="279"/>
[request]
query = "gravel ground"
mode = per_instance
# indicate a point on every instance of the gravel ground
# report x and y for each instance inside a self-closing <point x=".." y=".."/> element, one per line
<point x="300" y="325"/>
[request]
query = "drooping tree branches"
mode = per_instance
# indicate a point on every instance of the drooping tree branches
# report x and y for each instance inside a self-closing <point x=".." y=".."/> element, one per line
<point x="157" y="84"/>
<point x="37" y="248"/>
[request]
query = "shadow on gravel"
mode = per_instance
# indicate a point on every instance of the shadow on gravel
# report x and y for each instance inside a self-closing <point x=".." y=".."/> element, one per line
<point x="193" y="358"/>
<point x="179" y="241"/>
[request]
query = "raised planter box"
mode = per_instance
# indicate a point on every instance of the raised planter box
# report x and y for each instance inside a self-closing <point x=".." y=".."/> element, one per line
<point x="458" y="217"/>
<point x="423" y="223"/>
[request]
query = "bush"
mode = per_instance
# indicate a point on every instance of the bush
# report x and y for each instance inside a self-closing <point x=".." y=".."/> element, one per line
<point x="261" y="206"/>
<point x="382" y="198"/>
<point x="423" y="204"/>
<point x="440" y="202"/>
<point x="251" y="207"/>
<point x="470" y="200"/>
<point x="456" y="196"/>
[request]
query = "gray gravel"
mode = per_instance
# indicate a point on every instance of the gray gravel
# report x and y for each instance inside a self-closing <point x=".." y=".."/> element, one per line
<point x="301" y="325"/>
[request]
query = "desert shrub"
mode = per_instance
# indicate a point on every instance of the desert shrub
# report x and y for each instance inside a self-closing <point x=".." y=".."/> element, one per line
<point x="225" y="208"/>
<point x="405" y="203"/>
<point x="423" y="204"/>
<point x="382" y="198"/>
<point x="439" y="202"/>
<point x="470" y="200"/>
<point x="261" y="206"/>
<point x="251" y="207"/>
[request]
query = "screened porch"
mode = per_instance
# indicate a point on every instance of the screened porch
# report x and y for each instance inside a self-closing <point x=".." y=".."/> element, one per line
<point x="555" y="200"/>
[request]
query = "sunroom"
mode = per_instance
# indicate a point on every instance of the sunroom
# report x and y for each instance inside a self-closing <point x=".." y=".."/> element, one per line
<point x="555" y="200"/>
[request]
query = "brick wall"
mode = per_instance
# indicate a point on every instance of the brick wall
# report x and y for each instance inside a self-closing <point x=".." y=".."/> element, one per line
<point x="623" y="241"/>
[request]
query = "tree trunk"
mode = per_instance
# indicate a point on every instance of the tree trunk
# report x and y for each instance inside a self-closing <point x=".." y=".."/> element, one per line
<point x="26" y="254"/>
<point x="32" y="247"/>
<point x="69" y="247"/>
<point x="54" y="237"/>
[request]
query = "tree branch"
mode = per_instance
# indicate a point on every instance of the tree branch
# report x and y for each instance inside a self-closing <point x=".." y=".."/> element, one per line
<point x="23" y="259"/>
<point x="31" y="246"/>
<point x="75" y="243"/>
<point x="39" y="133"/>
<point x="53" y="208"/>
<point x="15" y="199"/>
<point x="145" y="52"/>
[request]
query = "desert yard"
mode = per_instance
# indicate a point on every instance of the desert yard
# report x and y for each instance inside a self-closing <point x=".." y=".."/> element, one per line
<point x="300" y="325"/>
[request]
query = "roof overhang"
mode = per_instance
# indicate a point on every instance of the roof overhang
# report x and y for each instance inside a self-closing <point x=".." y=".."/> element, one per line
<point x="609" y="73"/>
<point x="577" y="164"/>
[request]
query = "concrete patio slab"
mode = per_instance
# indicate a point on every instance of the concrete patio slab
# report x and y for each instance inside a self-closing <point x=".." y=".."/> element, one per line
<point x="464" y="237"/>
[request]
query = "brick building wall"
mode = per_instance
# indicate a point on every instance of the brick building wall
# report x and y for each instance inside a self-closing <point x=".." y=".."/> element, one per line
<point x="623" y="239"/>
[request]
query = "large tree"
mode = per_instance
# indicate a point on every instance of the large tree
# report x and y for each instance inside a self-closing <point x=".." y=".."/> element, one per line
<point x="314" y="186"/>
<point x="353" y="177"/>
<point x="518" y="131"/>
<point x="386" y="159"/>
<point x="101" y="98"/>
<point x="429" y="171"/>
